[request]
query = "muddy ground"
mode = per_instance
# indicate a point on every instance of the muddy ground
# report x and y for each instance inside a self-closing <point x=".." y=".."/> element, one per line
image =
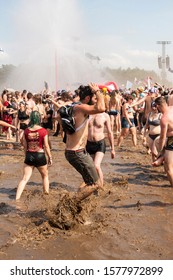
<point x="132" y="218"/>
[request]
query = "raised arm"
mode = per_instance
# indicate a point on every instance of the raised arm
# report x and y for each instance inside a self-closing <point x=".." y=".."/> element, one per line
<point x="98" y="107"/>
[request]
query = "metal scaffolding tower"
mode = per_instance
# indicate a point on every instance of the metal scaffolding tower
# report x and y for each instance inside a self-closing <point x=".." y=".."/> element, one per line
<point x="163" y="61"/>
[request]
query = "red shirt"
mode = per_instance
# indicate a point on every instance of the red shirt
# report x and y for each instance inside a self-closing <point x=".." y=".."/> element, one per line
<point x="35" y="139"/>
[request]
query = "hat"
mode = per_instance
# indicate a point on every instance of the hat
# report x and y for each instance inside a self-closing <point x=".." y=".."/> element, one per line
<point x="104" y="90"/>
<point x="153" y="90"/>
<point x="134" y="95"/>
<point x="141" y="89"/>
<point x="142" y="95"/>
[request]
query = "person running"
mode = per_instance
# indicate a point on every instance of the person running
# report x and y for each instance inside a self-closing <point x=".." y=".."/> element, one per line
<point x="96" y="145"/>
<point x="75" y="151"/>
<point x="35" y="141"/>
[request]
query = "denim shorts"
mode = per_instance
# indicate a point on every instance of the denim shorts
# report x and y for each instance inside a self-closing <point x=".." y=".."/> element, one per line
<point x="84" y="164"/>
<point x="125" y="124"/>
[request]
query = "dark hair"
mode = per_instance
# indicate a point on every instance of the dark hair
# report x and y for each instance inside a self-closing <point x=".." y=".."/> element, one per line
<point x="153" y="104"/>
<point x="65" y="95"/>
<point x="35" y="119"/>
<point x="29" y="95"/>
<point x="129" y="96"/>
<point x="38" y="98"/>
<point x="85" y="91"/>
<point x="160" y="100"/>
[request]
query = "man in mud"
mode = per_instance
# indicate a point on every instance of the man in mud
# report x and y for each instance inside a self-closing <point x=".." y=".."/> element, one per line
<point x="166" y="137"/>
<point x="75" y="151"/>
<point x="96" y="145"/>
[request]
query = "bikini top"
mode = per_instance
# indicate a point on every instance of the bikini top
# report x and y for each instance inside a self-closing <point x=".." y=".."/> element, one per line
<point x="22" y="115"/>
<point x="155" y="122"/>
<point x="130" y="109"/>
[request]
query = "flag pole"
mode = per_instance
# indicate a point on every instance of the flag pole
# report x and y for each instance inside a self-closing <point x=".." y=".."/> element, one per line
<point x="56" y="71"/>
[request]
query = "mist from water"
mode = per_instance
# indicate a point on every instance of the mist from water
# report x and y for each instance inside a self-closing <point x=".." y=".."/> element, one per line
<point x="49" y="41"/>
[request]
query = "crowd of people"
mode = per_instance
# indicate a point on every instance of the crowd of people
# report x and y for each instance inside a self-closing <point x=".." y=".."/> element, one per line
<point x="30" y="119"/>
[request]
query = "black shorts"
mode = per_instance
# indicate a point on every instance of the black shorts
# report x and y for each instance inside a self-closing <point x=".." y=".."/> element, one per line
<point x="48" y="126"/>
<point x="94" y="147"/>
<point x="23" y="126"/>
<point x="35" y="159"/>
<point x="84" y="164"/>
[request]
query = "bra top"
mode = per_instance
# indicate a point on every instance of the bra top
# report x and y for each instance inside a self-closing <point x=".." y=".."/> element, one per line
<point x="22" y="115"/>
<point x="155" y="122"/>
<point x="130" y="109"/>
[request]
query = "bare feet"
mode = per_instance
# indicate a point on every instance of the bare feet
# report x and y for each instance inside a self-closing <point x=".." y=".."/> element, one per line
<point x="158" y="161"/>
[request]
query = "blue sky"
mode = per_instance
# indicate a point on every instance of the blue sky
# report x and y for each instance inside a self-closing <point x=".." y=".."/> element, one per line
<point x="123" y="33"/>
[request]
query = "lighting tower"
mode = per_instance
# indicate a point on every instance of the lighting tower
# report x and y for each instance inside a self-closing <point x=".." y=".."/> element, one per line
<point x="163" y="61"/>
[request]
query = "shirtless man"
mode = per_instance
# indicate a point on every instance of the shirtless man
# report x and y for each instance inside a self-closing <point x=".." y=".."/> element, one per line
<point x="166" y="136"/>
<point x="30" y="101"/>
<point x="115" y="105"/>
<point x="75" y="151"/>
<point x="152" y="95"/>
<point x="96" y="145"/>
<point x="170" y="99"/>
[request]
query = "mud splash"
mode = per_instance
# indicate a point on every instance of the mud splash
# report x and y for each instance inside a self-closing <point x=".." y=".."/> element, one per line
<point x="130" y="219"/>
<point x="66" y="213"/>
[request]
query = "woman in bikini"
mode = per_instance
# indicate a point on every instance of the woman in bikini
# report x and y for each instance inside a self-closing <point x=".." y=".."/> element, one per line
<point x="153" y="128"/>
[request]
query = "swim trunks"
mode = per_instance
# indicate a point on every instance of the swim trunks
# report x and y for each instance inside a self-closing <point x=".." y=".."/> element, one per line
<point x="97" y="146"/>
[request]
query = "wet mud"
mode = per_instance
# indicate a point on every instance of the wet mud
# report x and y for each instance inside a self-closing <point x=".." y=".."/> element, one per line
<point x="130" y="219"/>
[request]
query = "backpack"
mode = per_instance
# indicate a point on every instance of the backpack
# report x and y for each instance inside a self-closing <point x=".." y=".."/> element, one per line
<point x="67" y="118"/>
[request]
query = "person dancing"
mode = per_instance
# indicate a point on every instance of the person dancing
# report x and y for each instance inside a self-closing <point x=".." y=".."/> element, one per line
<point x="35" y="141"/>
